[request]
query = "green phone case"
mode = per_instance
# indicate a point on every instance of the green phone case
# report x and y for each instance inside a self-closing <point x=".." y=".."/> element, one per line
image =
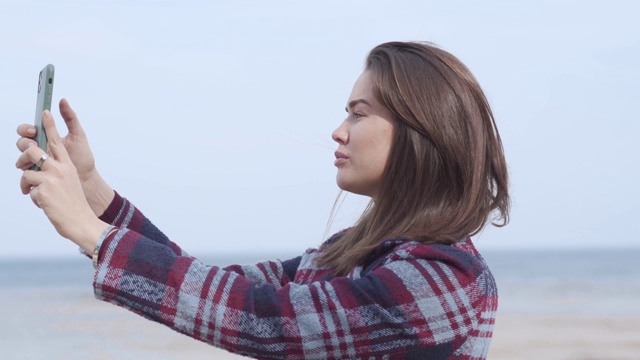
<point x="45" y="92"/>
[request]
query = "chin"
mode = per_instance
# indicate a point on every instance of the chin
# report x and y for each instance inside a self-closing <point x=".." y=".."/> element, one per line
<point x="344" y="184"/>
<point x="351" y="187"/>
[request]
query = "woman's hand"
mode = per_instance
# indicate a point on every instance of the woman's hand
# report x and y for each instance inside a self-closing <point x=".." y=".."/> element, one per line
<point x="57" y="188"/>
<point x="97" y="192"/>
<point x="75" y="142"/>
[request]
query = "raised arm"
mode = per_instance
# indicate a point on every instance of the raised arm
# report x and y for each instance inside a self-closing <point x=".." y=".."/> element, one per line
<point x="410" y="307"/>
<point x="123" y="214"/>
<point x="99" y="195"/>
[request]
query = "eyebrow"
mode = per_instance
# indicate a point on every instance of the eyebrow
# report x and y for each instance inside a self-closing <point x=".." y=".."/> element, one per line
<point x="353" y="103"/>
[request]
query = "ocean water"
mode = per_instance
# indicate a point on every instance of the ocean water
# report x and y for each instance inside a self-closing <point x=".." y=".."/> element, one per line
<point x="573" y="282"/>
<point x="580" y="282"/>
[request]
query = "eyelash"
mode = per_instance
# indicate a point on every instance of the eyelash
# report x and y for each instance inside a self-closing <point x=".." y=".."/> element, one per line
<point x="355" y="115"/>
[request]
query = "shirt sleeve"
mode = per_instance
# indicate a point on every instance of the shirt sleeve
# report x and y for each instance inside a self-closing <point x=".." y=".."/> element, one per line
<point x="277" y="273"/>
<point x="123" y="214"/>
<point x="407" y="308"/>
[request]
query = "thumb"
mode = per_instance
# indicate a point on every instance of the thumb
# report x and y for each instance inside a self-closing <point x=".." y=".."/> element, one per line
<point x="55" y="142"/>
<point x="70" y="118"/>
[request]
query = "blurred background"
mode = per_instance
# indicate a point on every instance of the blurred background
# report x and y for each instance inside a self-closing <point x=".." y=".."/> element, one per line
<point x="215" y="119"/>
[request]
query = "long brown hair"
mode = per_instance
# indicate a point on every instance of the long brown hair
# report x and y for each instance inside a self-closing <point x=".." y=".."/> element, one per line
<point x="446" y="173"/>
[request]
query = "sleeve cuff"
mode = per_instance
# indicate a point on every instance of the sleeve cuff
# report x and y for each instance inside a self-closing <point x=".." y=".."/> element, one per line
<point x="111" y="213"/>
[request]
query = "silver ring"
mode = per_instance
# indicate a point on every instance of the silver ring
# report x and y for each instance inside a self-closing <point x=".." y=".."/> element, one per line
<point x="43" y="158"/>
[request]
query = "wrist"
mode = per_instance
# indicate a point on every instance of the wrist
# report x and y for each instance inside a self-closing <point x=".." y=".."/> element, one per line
<point x="97" y="192"/>
<point x="90" y="234"/>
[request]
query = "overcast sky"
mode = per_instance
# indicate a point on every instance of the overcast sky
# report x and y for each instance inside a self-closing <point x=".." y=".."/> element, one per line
<point x="216" y="119"/>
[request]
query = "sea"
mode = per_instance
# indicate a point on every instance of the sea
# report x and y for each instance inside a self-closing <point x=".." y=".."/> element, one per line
<point x="580" y="282"/>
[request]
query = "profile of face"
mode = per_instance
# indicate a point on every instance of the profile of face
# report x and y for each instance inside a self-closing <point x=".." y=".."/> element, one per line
<point x="364" y="140"/>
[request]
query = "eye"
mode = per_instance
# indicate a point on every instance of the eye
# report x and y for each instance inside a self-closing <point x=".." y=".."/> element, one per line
<point x="354" y="115"/>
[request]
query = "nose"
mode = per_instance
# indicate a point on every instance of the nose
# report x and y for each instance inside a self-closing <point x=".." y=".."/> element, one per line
<point x="341" y="135"/>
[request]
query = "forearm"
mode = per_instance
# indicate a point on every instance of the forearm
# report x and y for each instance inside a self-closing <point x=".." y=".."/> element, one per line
<point x="123" y="214"/>
<point x="97" y="192"/>
<point x="219" y="307"/>
<point x="87" y="237"/>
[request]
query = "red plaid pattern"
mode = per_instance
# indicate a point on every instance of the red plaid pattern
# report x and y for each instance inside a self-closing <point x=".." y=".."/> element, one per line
<point x="409" y="301"/>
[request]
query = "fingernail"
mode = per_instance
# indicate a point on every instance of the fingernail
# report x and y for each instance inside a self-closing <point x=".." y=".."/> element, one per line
<point x="31" y="131"/>
<point x="31" y="144"/>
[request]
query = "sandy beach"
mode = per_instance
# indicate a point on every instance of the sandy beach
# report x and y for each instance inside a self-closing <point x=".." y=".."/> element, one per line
<point x="54" y="323"/>
<point x="566" y="337"/>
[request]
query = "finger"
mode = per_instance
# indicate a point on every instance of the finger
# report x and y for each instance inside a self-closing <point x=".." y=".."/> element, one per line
<point x="29" y="180"/>
<point x="56" y="146"/>
<point x="35" y="192"/>
<point x="26" y="130"/>
<point x="23" y="143"/>
<point x="70" y="118"/>
<point x="29" y="157"/>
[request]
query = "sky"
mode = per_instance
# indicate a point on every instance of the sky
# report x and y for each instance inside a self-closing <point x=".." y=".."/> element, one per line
<point x="215" y="118"/>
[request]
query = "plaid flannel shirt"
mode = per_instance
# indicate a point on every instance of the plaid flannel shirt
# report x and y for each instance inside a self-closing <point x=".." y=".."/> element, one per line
<point x="409" y="301"/>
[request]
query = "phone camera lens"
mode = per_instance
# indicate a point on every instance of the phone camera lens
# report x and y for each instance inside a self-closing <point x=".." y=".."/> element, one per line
<point x="50" y="81"/>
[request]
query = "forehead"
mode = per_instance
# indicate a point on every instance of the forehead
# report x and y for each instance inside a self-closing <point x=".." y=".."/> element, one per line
<point x="363" y="88"/>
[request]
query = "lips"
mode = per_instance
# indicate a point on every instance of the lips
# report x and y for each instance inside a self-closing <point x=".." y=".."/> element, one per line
<point x="341" y="158"/>
<point x="340" y="155"/>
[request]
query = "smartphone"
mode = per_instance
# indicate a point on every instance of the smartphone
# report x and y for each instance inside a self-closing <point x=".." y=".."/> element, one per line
<point x="45" y="92"/>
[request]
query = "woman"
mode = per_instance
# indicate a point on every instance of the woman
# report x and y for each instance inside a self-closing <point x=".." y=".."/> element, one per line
<point x="404" y="282"/>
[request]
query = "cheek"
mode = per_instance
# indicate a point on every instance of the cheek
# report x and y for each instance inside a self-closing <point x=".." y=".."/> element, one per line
<point x="383" y="149"/>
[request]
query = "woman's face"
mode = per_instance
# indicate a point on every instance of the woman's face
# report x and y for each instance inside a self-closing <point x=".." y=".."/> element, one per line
<point x="364" y="141"/>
